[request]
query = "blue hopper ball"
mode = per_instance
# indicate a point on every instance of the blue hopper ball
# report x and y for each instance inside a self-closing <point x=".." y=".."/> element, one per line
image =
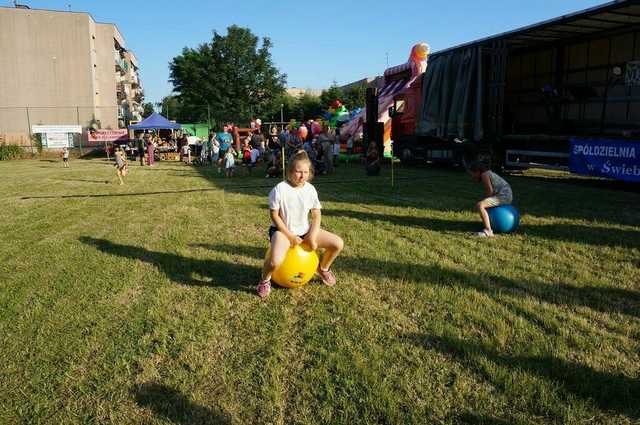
<point x="504" y="219"/>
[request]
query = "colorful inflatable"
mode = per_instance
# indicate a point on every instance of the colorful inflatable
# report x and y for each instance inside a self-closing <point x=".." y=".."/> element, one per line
<point x="396" y="80"/>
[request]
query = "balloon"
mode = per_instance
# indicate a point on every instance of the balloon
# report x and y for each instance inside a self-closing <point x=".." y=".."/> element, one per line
<point x="299" y="265"/>
<point x="302" y="132"/>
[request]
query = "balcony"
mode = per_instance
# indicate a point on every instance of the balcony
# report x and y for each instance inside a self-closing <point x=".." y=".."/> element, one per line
<point x="121" y="66"/>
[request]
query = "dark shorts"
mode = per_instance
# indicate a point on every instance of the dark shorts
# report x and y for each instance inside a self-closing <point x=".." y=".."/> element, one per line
<point x="65" y="159"/>
<point x="273" y="229"/>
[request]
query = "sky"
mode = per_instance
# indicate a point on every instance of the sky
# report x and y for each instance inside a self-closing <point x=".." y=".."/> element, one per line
<point x="314" y="43"/>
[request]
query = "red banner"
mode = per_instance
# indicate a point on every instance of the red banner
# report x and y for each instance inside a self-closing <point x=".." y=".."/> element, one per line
<point x="98" y="137"/>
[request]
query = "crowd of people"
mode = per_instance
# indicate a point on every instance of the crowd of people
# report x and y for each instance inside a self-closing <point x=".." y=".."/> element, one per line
<point x="228" y="150"/>
<point x="225" y="149"/>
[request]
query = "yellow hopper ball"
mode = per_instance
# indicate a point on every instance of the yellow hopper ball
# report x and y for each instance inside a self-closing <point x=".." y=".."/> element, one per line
<point x="299" y="265"/>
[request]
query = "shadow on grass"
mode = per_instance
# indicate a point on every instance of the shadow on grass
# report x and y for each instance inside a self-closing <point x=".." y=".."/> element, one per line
<point x="605" y="299"/>
<point x="244" y="250"/>
<point x="117" y="195"/>
<point x="608" y="391"/>
<point x="590" y="235"/>
<point x="83" y="181"/>
<point x="181" y="269"/>
<point x="176" y="407"/>
<point x="472" y="418"/>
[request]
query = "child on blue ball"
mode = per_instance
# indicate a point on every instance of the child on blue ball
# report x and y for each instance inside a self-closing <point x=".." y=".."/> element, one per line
<point x="497" y="192"/>
<point x="290" y="203"/>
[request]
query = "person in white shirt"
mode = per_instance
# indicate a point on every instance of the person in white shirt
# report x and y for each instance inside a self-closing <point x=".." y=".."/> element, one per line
<point x="290" y="203"/>
<point x="186" y="154"/>
<point x="336" y="151"/>
<point x="65" y="157"/>
<point x="215" y="149"/>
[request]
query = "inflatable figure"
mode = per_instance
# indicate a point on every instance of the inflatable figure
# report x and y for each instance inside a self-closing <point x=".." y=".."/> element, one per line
<point x="418" y="58"/>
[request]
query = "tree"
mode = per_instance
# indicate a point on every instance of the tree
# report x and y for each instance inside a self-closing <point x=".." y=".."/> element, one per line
<point x="172" y="108"/>
<point x="331" y="94"/>
<point x="355" y="97"/>
<point x="232" y="74"/>
<point x="147" y="109"/>
<point x="309" y="106"/>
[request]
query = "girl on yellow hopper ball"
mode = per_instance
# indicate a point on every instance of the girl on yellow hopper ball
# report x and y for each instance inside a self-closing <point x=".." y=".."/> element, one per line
<point x="290" y="202"/>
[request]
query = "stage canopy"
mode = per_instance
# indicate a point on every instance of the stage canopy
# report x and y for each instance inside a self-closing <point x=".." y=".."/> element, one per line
<point x="155" y="121"/>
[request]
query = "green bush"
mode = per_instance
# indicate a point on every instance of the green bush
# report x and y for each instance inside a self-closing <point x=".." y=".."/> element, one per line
<point x="8" y="152"/>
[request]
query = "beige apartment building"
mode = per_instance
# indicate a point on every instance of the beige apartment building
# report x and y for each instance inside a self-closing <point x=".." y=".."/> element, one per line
<point x="64" y="68"/>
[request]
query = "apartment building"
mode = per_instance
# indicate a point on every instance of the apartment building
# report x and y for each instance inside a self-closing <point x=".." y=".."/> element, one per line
<point x="64" y="68"/>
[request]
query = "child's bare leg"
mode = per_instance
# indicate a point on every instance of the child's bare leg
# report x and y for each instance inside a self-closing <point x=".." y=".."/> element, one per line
<point x="482" y="208"/>
<point x="119" y="174"/>
<point x="279" y="246"/>
<point x="333" y="245"/>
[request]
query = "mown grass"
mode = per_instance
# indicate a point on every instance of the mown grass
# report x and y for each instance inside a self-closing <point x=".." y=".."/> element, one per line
<point x="135" y="303"/>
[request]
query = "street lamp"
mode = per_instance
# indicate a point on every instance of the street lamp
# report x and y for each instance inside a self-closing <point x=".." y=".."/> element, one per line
<point x="282" y="112"/>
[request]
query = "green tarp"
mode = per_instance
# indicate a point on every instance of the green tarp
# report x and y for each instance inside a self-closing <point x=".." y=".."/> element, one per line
<point x="200" y="130"/>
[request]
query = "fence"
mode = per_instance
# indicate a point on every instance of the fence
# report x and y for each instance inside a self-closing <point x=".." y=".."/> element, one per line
<point x="16" y="122"/>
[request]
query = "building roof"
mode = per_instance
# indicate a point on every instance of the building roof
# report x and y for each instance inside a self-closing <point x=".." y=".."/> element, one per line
<point x="612" y="16"/>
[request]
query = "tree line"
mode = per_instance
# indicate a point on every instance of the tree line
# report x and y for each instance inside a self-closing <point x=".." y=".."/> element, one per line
<point x="233" y="78"/>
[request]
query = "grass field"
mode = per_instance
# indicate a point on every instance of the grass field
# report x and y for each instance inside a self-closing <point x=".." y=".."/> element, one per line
<point x="135" y="304"/>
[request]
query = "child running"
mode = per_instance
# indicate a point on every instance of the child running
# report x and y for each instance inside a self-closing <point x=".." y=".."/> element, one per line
<point x="121" y="164"/>
<point x="497" y="192"/>
<point x="65" y="157"/>
<point x="290" y="202"/>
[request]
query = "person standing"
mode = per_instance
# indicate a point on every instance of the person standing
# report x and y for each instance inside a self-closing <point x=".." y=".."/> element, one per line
<point x="151" y="149"/>
<point x="186" y="153"/>
<point x="336" y="151"/>
<point x="65" y="157"/>
<point x="140" y="149"/>
<point x="293" y="143"/>
<point x="326" y="149"/>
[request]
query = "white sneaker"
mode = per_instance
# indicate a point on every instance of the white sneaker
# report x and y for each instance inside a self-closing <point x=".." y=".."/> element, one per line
<point x="486" y="233"/>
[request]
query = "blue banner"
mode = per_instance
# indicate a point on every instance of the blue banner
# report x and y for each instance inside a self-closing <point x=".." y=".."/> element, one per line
<point x="613" y="159"/>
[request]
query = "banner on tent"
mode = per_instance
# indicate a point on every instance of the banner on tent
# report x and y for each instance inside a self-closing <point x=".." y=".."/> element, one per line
<point x="613" y="159"/>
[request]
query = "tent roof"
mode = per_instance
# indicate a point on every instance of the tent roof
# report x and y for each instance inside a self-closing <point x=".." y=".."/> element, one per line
<point x="155" y="121"/>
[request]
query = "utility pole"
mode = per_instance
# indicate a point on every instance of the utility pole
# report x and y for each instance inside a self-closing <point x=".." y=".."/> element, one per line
<point x="29" y="125"/>
<point x="81" y="133"/>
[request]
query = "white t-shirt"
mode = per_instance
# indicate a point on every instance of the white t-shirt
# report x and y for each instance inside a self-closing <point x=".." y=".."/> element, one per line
<point x="294" y="204"/>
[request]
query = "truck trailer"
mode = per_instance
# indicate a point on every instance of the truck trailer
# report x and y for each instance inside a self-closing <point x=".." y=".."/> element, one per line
<point x="521" y="99"/>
